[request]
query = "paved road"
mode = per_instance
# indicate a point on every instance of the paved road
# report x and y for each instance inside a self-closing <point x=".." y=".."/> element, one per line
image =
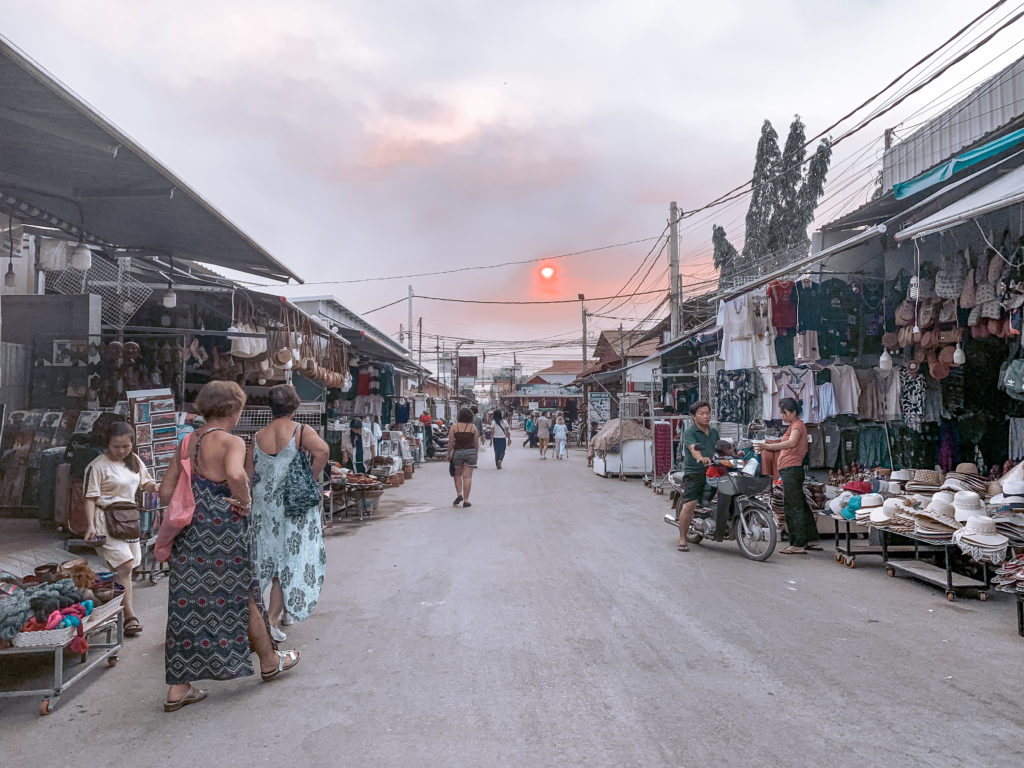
<point x="554" y="624"/>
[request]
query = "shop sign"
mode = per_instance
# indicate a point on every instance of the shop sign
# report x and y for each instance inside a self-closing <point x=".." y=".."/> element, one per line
<point x="600" y="407"/>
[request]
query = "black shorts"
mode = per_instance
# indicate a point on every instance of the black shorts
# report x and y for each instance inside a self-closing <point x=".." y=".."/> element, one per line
<point x="694" y="484"/>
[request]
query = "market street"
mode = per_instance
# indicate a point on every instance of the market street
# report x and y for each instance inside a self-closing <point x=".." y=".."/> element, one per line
<point x="555" y="624"/>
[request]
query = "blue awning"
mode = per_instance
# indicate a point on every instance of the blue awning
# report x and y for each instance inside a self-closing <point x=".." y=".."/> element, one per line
<point x="942" y="172"/>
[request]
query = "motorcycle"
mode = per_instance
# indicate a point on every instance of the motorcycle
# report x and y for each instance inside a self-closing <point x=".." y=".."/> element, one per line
<point x="739" y="511"/>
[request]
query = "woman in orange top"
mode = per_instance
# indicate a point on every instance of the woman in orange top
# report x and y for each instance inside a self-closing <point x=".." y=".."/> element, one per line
<point x="803" y="531"/>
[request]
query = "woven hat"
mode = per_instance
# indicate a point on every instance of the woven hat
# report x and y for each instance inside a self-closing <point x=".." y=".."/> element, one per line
<point x="982" y="531"/>
<point x="880" y="516"/>
<point x="871" y="500"/>
<point x="1003" y="499"/>
<point x="1013" y="487"/>
<point x="901" y="476"/>
<point x="942" y="511"/>
<point x="994" y="488"/>
<point x="938" y="370"/>
<point x="966" y="504"/>
<point x="967" y="469"/>
<point x="928" y="477"/>
<point x="943" y="496"/>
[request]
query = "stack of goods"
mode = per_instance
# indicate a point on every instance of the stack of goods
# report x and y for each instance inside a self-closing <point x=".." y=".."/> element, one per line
<point x="778" y="506"/>
<point x="980" y="540"/>
<point x="1010" y="576"/>
<point x="935" y="522"/>
<point x="897" y="516"/>
<point x="1010" y="495"/>
<point x="966" y="478"/>
<point x="815" y="495"/>
<point x="881" y="517"/>
<point x="52" y="606"/>
<point x="868" y="503"/>
<point x="967" y="504"/>
<point x="926" y="482"/>
<point x="1011" y="525"/>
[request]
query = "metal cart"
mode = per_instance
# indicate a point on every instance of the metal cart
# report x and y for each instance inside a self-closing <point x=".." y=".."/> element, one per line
<point x="848" y="546"/>
<point x="109" y="619"/>
<point x="938" y="576"/>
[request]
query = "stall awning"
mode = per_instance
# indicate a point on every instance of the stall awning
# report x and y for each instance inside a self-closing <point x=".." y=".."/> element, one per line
<point x="1000" y="193"/>
<point x="64" y="165"/>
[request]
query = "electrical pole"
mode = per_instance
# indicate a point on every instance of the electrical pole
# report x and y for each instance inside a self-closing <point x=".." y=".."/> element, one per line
<point x="584" y="411"/>
<point x="622" y="395"/>
<point x="409" y="340"/>
<point x="421" y="354"/>
<point x="675" y="299"/>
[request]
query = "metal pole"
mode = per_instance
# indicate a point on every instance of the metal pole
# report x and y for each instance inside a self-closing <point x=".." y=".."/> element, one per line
<point x="409" y="326"/>
<point x="584" y="412"/>
<point x="421" y="355"/>
<point x="622" y="395"/>
<point x="675" y="300"/>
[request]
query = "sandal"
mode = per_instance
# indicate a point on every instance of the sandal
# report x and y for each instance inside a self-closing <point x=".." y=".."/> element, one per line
<point x="458" y="500"/>
<point x="132" y="627"/>
<point x="194" y="694"/>
<point x="683" y="547"/>
<point x="282" y="657"/>
<point x="793" y="551"/>
<point x="466" y="504"/>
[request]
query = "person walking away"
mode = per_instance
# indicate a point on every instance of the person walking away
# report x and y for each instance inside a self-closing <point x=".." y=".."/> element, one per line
<point x="530" y="426"/>
<point x="112" y="481"/>
<point x="478" y="423"/>
<point x="215" y="613"/>
<point x="356" y="445"/>
<point x="500" y="435"/>
<point x="592" y="445"/>
<point x="698" y="448"/>
<point x="463" y="446"/>
<point x="792" y="449"/>
<point x="289" y="542"/>
<point x="543" y="427"/>
<point x="561" y="433"/>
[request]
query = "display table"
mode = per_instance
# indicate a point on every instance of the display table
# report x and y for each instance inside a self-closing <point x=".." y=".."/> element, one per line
<point x="344" y="494"/>
<point x="848" y="546"/>
<point x="108" y="618"/>
<point x="944" y="577"/>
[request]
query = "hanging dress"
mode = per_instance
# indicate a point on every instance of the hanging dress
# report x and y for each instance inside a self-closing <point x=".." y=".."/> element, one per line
<point x="212" y="577"/>
<point x="289" y="548"/>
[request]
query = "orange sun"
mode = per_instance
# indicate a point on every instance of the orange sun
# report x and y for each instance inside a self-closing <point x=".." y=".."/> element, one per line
<point x="547" y="272"/>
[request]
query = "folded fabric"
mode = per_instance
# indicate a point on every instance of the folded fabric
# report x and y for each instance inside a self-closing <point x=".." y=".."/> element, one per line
<point x="858" y="486"/>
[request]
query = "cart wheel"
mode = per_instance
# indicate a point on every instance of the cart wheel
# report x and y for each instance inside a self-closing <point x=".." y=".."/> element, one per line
<point x="850" y="562"/>
<point x="950" y="596"/>
<point x="112" y="661"/>
<point x="983" y="596"/>
<point x="45" y="708"/>
<point x="891" y="572"/>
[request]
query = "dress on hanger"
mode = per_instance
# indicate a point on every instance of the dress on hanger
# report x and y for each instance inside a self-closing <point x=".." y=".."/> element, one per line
<point x="737" y="333"/>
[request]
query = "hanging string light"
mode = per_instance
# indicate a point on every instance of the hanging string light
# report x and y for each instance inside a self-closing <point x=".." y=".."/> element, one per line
<point x="170" y="298"/>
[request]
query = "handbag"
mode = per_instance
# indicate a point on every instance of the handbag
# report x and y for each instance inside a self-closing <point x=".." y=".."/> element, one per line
<point x="300" y="489"/>
<point x="180" y="508"/>
<point x="122" y="518"/>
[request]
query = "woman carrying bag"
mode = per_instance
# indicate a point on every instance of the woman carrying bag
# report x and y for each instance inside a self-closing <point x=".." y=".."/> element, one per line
<point x="500" y="435"/>
<point x="286" y="510"/>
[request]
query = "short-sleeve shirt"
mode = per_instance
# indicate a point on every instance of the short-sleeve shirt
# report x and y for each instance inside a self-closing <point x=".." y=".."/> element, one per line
<point x="794" y="457"/>
<point x="112" y="481"/>
<point x="498" y="429"/>
<point x="544" y="427"/>
<point x="693" y="436"/>
<point x="560" y="431"/>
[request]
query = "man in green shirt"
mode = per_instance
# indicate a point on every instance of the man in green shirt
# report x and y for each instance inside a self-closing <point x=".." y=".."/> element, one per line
<point x="698" y="448"/>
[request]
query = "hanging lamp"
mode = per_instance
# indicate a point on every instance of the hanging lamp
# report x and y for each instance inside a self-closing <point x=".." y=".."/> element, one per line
<point x="10" y="278"/>
<point x="959" y="358"/>
<point x="170" y="298"/>
<point x="885" y="361"/>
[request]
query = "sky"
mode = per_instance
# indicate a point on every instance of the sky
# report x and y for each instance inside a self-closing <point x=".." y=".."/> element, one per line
<point x="375" y="138"/>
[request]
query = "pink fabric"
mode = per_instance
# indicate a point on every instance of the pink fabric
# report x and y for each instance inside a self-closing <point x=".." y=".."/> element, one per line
<point x="179" y="510"/>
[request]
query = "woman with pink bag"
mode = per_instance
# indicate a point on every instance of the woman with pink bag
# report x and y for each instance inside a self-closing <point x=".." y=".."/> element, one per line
<point x="215" y="613"/>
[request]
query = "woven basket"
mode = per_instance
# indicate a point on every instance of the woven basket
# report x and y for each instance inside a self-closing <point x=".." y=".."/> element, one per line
<point x="102" y="613"/>
<point x="43" y="637"/>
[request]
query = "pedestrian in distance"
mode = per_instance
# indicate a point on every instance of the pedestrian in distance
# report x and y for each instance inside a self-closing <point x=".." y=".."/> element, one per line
<point x="529" y="425"/>
<point x="500" y="434"/>
<point x="543" y="427"/>
<point x="792" y="449"/>
<point x="112" y="481"/>
<point x="478" y="423"/>
<point x="463" y="447"/>
<point x="561" y="433"/>
<point x="215" y="613"/>
<point x="289" y="542"/>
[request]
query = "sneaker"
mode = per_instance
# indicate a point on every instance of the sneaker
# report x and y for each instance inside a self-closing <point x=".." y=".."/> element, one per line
<point x="287" y="620"/>
<point x="277" y="635"/>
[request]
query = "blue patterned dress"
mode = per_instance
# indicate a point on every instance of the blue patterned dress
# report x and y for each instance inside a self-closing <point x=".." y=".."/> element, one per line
<point x="290" y="548"/>
<point x="212" y="576"/>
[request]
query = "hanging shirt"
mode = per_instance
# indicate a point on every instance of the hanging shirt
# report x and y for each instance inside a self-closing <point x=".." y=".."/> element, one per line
<point x="838" y="318"/>
<point x="769" y="394"/>
<point x="868" y="404"/>
<point x="847" y="390"/>
<point x="808" y="306"/>
<point x="783" y="305"/>
<point x="912" y="399"/>
<point x="797" y="383"/>
<point x="888" y="393"/>
<point x="764" y="333"/>
<point x="826" y="404"/>
<point x="737" y="333"/>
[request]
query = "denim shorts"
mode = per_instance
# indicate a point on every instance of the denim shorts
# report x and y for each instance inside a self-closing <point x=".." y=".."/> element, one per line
<point x="464" y="457"/>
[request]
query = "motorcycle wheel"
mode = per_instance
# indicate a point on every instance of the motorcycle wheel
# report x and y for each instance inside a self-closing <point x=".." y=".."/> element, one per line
<point x="692" y="537"/>
<point x="756" y="534"/>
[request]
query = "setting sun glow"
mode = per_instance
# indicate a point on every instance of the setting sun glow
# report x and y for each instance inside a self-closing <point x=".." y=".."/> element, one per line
<point x="547" y="272"/>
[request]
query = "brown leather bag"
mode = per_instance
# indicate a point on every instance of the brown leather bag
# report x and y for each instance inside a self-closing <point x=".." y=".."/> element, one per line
<point x="122" y="518"/>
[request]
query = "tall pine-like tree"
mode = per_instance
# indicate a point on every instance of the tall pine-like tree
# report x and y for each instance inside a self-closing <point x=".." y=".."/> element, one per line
<point x="784" y="228"/>
<point x="763" y="196"/>
<point x="812" y="188"/>
<point x="726" y="254"/>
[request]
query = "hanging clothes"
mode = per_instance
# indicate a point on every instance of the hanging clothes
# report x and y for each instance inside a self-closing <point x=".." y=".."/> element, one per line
<point x="912" y="397"/>
<point x="868" y="405"/>
<point x="738" y="396"/>
<point x="784" y="351"/>
<point x="847" y="390"/>
<point x="826" y="403"/>
<point x="809" y="306"/>
<point x="797" y="383"/>
<point x="1016" y="439"/>
<point x="737" y="333"/>
<point x="838" y="319"/>
<point x="872" y="320"/>
<point x="764" y="336"/>
<point x="769" y="394"/>
<point x="888" y="393"/>
<point x="782" y="296"/>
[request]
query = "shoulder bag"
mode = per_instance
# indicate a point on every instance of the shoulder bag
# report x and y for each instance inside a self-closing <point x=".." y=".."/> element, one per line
<point x="181" y="507"/>
<point x="301" y="492"/>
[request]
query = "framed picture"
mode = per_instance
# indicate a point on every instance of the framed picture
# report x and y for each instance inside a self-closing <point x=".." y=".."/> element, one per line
<point x="161" y="405"/>
<point x="161" y="460"/>
<point x="164" y="448"/>
<point x="141" y="413"/>
<point x="86" y="419"/>
<point x="163" y="419"/>
<point x="121" y="408"/>
<point x="165" y="433"/>
<point x="143" y="434"/>
<point x="61" y="352"/>
<point x="146" y="454"/>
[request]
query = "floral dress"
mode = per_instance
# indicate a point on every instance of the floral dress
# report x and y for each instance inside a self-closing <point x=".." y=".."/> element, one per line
<point x="290" y="548"/>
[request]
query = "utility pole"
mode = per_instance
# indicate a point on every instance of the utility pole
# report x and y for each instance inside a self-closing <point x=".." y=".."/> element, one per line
<point x="675" y="299"/>
<point x="401" y="333"/>
<point x="421" y="354"/>
<point x="410" y="322"/>
<point x="622" y="395"/>
<point x="437" y="352"/>
<point x="584" y="411"/>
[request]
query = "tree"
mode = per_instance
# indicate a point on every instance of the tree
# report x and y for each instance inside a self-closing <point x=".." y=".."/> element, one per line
<point x="784" y="226"/>
<point x="726" y="255"/>
<point x="762" y="198"/>
<point x="812" y="188"/>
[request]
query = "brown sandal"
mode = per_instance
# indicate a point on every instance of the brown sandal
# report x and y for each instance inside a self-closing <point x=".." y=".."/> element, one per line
<point x="132" y="627"/>
<point x="683" y="547"/>
<point x="793" y="551"/>
<point x="194" y="694"/>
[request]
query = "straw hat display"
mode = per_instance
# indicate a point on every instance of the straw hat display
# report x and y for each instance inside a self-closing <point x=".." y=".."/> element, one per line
<point x="1012" y="493"/>
<point x="901" y="476"/>
<point x="966" y="478"/>
<point x="1010" y="576"/>
<point x="936" y="521"/>
<point x="925" y="481"/>
<point x="967" y="504"/>
<point x="868" y="502"/>
<point x="1011" y="525"/>
<point x="980" y="540"/>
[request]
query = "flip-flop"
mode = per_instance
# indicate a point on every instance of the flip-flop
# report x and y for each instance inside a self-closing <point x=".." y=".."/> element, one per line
<point x="132" y="627"/>
<point x="194" y="694"/>
<point x="792" y="551"/>
<point x="282" y="657"/>
<point x="683" y="547"/>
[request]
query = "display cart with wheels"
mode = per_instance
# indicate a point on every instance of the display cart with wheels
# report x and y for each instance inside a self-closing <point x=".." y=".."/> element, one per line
<point x="939" y="576"/>
<point x="849" y="544"/>
<point x="108" y="619"/>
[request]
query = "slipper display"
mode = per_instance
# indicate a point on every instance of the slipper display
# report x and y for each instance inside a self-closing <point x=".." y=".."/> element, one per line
<point x="194" y="694"/>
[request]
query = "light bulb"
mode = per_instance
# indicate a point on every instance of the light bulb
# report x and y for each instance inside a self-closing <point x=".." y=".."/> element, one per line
<point x="170" y="298"/>
<point x="917" y="330"/>
<point x="959" y="358"/>
<point x="81" y="258"/>
<point x="9" y="277"/>
<point x="885" y="361"/>
<point x="165" y="320"/>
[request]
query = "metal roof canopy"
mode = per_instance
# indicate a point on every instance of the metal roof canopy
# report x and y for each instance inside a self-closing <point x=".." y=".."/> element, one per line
<point x="61" y="156"/>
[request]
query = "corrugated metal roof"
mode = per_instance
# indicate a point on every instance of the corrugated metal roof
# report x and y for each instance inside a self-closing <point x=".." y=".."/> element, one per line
<point x="992" y="105"/>
<point x="59" y="157"/>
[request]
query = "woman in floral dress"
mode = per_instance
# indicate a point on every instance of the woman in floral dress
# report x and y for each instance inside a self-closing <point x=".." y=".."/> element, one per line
<point x="289" y="548"/>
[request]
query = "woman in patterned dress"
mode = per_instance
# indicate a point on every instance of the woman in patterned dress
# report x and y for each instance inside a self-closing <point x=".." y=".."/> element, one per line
<point x="289" y="549"/>
<point x="215" y="613"/>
